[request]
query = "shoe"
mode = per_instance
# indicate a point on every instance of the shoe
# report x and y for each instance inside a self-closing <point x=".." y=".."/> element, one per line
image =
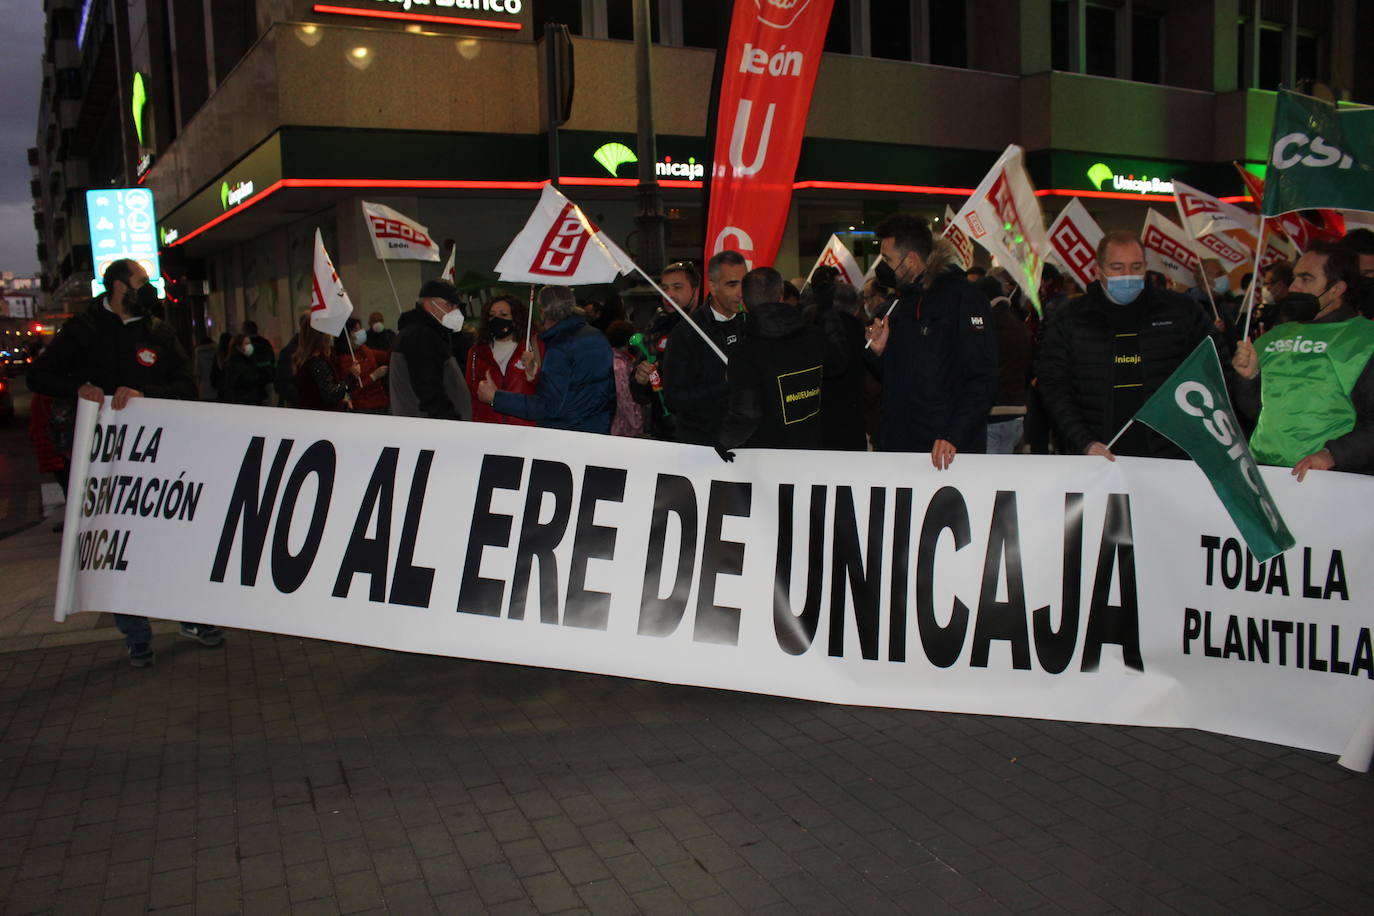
<point x="141" y="655"/>
<point x="203" y="633"/>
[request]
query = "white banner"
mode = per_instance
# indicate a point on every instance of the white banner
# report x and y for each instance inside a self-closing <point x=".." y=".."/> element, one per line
<point x="559" y="245"/>
<point x="1003" y="216"/>
<point x="1074" y="236"/>
<point x="397" y="237"/>
<point x="1050" y="587"/>
<point x="963" y="246"/>
<point x="1168" y="250"/>
<point x="1202" y="214"/>
<point x="836" y="255"/>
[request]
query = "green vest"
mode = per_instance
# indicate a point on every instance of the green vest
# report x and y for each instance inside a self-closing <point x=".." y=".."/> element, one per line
<point x="1307" y="372"/>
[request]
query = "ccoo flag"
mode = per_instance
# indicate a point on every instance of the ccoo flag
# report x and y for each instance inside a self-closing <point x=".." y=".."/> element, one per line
<point x="963" y="246"/>
<point x="836" y="255"/>
<point x="1168" y="250"/>
<point x="329" y="304"/>
<point x="1003" y="216"/>
<point x="1320" y="156"/>
<point x="1192" y="409"/>
<point x="397" y="237"/>
<point x="559" y="245"/>
<point x="1074" y="237"/>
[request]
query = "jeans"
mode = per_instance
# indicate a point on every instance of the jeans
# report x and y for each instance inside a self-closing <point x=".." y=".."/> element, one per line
<point x="135" y="629"/>
<point x="1003" y="436"/>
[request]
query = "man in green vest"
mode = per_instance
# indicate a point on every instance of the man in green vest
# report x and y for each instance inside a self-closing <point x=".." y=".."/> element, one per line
<point x="1310" y="381"/>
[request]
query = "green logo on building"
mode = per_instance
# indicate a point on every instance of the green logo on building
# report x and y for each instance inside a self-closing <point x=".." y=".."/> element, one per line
<point x="138" y="98"/>
<point x="1100" y="174"/>
<point x="613" y="155"/>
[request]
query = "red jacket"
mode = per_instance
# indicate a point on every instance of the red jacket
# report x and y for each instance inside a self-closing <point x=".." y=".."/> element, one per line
<point x="480" y="362"/>
<point x="372" y="395"/>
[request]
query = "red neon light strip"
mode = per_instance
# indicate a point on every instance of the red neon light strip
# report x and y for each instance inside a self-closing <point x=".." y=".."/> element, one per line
<point x="417" y="17"/>
<point x="473" y="185"/>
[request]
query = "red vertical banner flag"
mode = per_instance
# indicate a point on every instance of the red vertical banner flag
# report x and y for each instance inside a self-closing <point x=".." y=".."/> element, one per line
<point x="767" y="75"/>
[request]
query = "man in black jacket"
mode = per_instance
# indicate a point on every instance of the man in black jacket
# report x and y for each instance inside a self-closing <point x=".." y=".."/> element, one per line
<point x="682" y="283"/>
<point x="1105" y="352"/>
<point x="776" y="373"/>
<point x="694" y="376"/>
<point x="117" y="349"/>
<point x="935" y="349"/>
<point x="426" y="378"/>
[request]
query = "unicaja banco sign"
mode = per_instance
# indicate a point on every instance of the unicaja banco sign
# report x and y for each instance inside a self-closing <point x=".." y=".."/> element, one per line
<point x="612" y="156"/>
<point x="232" y="196"/>
<point x="1102" y="175"/>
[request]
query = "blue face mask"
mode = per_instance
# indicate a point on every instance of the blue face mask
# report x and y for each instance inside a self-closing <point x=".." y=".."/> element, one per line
<point x="1221" y="284"/>
<point x="1125" y="290"/>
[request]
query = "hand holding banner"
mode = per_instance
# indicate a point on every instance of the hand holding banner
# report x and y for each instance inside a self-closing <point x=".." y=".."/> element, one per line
<point x="329" y="304"/>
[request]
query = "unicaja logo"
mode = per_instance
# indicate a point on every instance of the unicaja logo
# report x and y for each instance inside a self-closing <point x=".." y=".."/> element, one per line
<point x="780" y="14"/>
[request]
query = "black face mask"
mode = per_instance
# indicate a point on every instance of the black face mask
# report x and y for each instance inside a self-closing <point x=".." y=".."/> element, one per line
<point x="140" y="302"/>
<point x="885" y="276"/>
<point x="1298" y="307"/>
<point x="500" y="327"/>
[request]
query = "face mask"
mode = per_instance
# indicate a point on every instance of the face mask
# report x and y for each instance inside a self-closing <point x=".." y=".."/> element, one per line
<point x="248" y="349"/>
<point x="1266" y="297"/>
<point x="453" y="320"/>
<point x="501" y="327"/>
<point x="360" y="336"/>
<point x="1221" y="284"/>
<point x="1299" y="307"/>
<point x="378" y="327"/>
<point x="1125" y="290"/>
<point x="885" y="276"/>
<point x="141" y="301"/>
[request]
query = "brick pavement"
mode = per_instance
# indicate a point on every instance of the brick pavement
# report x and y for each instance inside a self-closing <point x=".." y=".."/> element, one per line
<point x="277" y="774"/>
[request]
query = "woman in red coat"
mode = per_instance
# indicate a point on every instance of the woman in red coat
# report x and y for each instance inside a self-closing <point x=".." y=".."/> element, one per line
<point x="500" y="353"/>
<point x="371" y="396"/>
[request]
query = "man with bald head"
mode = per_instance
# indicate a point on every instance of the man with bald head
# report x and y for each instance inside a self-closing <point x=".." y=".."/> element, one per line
<point x="1104" y="353"/>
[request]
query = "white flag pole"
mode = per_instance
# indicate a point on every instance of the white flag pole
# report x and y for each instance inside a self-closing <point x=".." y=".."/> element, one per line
<point x="1119" y="432"/>
<point x="393" y="286"/>
<point x="1254" y="281"/>
<point x="529" y="320"/>
<point x="886" y="315"/>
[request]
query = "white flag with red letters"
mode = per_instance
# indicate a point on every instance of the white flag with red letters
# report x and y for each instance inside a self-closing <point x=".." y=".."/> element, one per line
<point x="329" y="304"/>
<point x="1003" y="216"/>
<point x="397" y="237"/>
<point x="837" y="255"/>
<point x="559" y="245"/>
<point x="1168" y="250"/>
<point x="450" y="271"/>
<point x="1073" y="242"/>
<point x="963" y="246"/>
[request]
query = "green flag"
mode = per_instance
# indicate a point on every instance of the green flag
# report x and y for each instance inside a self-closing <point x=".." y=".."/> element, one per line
<point x="1320" y="156"/>
<point x="1193" y="409"/>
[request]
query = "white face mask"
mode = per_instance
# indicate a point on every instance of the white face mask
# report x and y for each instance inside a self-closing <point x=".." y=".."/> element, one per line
<point x="248" y="349"/>
<point x="378" y="327"/>
<point x="360" y="336"/>
<point x="453" y="320"/>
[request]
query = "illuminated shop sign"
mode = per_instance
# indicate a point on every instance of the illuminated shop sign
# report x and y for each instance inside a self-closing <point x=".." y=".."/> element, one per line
<point x="613" y="155"/>
<point x="1105" y="178"/>
<point x="470" y="13"/>
<point x="123" y="225"/>
<point x="235" y="194"/>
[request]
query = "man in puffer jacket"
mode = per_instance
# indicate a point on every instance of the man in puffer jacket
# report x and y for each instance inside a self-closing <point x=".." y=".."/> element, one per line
<point x="1104" y="353"/>
<point x="935" y="350"/>
<point x="576" y="382"/>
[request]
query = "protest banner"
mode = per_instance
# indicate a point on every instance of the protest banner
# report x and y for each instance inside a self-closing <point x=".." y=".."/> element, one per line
<point x="963" y="245"/>
<point x="1168" y="250"/>
<point x="1073" y="242"/>
<point x="1003" y="216"/>
<point x="766" y="73"/>
<point x="397" y="237"/>
<point x="1060" y="587"/>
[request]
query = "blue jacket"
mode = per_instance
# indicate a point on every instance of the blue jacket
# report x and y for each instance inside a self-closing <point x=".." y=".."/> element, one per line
<point x="576" y="387"/>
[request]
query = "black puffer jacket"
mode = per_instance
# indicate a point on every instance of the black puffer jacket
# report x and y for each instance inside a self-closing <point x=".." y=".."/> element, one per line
<point x="775" y="383"/>
<point x="1075" y="368"/>
<point x="98" y="347"/>
<point x="939" y="369"/>
<point x="694" y="377"/>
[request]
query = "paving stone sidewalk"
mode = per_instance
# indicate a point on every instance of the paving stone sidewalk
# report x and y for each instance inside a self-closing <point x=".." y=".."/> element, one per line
<point x="280" y="775"/>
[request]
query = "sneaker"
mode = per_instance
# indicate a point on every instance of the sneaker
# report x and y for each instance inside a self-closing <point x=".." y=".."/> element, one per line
<point x="203" y="633"/>
<point x="141" y="655"/>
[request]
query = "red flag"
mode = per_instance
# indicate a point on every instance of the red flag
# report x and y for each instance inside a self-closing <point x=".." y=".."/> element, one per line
<point x="1300" y="230"/>
<point x="768" y="72"/>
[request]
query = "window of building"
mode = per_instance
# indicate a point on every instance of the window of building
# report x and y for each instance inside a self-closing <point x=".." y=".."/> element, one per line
<point x="620" y="20"/>
<point x="1281" y="42"/>
<point x="839" y="38"/>
<point x="1061" y="36"/>
<point x="949" y="33"/>
<point x="889" y="29"/>
<point x="705" y="23"/>
<point x="1147" y="47"/>
<point x="567" y="12"/>
<point x="1099" y="35"/>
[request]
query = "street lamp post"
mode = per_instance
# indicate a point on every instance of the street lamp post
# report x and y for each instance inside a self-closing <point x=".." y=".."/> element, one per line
<point x="649" y="219"/>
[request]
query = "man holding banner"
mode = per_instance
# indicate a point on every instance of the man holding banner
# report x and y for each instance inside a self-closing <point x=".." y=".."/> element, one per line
<point x="935" y="349"/>
<point x="1310" y="382"/>
<point x="1107" y="351"/>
